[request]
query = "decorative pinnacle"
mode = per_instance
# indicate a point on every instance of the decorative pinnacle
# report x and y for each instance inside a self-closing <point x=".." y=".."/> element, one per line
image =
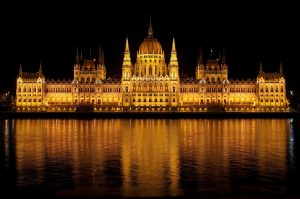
<point x="281" y="68"/>
<point x="20" y="70"/>
<point x="40" y="69"/>
<point x="100" y="54"/>
<point x="200" y="57"/>
<point x="173" y="45"/>
<point x="77" y="56"/>
<point x="127" y="45"/>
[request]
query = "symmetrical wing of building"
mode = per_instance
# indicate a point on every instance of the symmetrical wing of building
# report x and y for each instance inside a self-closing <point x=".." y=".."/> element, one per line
<point x="151" y="84"/>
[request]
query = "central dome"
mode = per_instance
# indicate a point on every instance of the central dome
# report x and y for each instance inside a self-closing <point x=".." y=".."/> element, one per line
<point x="150" y="46"/>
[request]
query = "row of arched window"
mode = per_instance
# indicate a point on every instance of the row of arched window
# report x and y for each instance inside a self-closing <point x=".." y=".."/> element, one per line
<point x="242" y="90"/>
<point x="266" y="89"/>
<point x="29" y="89"/>
<point x="58" y="90"/>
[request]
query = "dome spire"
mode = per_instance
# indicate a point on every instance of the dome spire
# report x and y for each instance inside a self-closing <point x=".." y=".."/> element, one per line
<point x="150" y="31"/>
<point x="261" y="68"/>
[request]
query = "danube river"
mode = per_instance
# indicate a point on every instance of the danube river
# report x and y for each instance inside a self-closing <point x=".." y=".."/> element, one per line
<point x="149" y="157"/>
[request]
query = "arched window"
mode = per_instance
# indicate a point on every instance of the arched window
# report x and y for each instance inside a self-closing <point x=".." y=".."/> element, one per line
<point x="34" y="89"/>
<point x="174" y="89"/>
<point x="218" y="80"/>
<point x="94" y="79"/>
<point x="267" y="90"/>
<point x="19" y="89"/>
<point x="39" y="90"/>
<point x="126" y="89"/>
<point x="82" y="80"/>
<point x="87" y="79"/>
<point x="213" y="80"/>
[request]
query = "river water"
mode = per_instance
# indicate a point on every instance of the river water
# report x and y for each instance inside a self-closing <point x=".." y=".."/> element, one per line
<point x="150" y="157"/>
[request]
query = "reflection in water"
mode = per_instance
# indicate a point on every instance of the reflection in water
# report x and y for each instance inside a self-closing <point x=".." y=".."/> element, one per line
<point x="148" y="157"/>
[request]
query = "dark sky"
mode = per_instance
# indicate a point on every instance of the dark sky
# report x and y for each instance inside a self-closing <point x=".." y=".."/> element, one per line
<point x="49" y="33"/>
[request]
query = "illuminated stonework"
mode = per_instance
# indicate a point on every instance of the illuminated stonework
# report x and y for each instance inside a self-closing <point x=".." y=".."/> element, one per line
<point x="151" y="85"/>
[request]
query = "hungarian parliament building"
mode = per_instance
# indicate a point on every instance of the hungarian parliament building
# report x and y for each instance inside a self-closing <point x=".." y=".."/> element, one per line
<point x="151" y="84"/>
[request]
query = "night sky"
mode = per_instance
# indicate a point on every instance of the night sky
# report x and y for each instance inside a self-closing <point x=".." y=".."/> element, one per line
<point x="49" y="33"/>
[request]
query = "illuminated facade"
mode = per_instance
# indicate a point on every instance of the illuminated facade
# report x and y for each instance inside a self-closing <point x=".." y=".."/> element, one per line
<point x="151" y="84"/>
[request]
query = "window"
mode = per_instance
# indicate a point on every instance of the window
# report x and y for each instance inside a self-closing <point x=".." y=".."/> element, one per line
<point x="173" y="100"/>
<point x="133" y="100"/>
<point x="126" y="89"/>
<point x="174" y="89"/>
<point x="166" y="100"/>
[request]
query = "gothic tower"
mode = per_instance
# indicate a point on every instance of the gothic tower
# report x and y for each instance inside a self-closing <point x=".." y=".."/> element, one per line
<point x="200" y="66"/>
<point x="173" y="66"/>
<point x="101" y="69"/>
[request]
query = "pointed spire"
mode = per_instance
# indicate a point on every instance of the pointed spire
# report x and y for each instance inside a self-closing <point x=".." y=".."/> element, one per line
<point x="223" y="56"/>
<point x="280" y="68"/>
<point x="173" y="59"/>
<point x="211" y="52"/>
<point x="261" y="68"/>
<point x="200" y="57"/>
<point x="90" y="52"/>
<point x="81" y="56"/>
<point x="20" y="70"/>
<point x="173" y="45"/>
<point x="100" y="56"/>
<point x="150" y="31"/>
<point x="77" y="57"/>
<point x="127" y="45"/>
<point x="126" y="59"/>
<point x="40" y="69"/>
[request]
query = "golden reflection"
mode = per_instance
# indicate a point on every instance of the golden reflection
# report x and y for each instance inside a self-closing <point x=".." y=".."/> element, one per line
<point x="149" y="157"/>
